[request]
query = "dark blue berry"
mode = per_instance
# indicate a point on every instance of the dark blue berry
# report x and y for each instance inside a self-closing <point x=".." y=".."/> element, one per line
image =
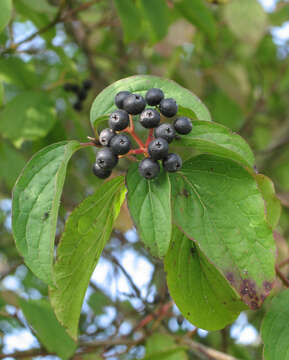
<point x="168" y="107"/>
<point x="87" y="84"/>
<point x="149" y="168"/>
<point x="150" y="118"/>
<point x="106" y="159"/>
<point x="120" y="144"/>
<point x="134" y="104"/>
<point x="183" y="125"/>
<point x="100" y="172"/>
<point x="172" y="163"/>
<point x="158" y="149"/>
<point x="105" y="136"/>
<point x="154" y="96"/>
<point x="118" y="120"/>
<point x="165" y="131"/>
<point x="119" y="98"/>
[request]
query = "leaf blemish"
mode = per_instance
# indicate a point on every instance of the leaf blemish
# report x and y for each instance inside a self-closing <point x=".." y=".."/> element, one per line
<point x="185" y="193"/>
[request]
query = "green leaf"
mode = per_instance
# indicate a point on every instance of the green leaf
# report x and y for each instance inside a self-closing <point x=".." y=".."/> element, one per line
<point x="200" y="292"/>
<point x="28" y="116"/>
<point x="216" y="139"/>
<point x="12" y="161"/>
<point x="273" y="206"/>
<point x="17" y="72"/>
<point x="149" y="203"/>
<point x="280" y="15"/>
<point x="217" y="204"/>
<point x="5" y="13"/>
<point x="163" y="346"/>
<point x="131" y="19"/>
<point x="98" y="301"/>
<point x="158" y="19"/>
<point x="51" y="334"/>
<point x="41" y="6"/>
<point x="275" y="329"/>
<point x="36" y="199"/>
<point x="197" y="13"/>
<point x="189" y="104"/>
<point x="1" y="94"/>
<point x="86" y="232"/>
<point x="247" y="20"/>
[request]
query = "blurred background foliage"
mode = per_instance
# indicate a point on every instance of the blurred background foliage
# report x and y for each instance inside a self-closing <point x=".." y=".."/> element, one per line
<point x="233" y="54"/>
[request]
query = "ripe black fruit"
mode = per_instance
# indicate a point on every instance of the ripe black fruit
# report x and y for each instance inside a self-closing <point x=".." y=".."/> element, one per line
<point x="165" y="131"/>
<point x="158" y="149"/>
<point x="168" y="107"/>
<point x="87" y="84"/>
<point x="149" y="168"/>
<point x="183" y="125"/>
<point x="106" y="159"/>
<point x="118" y="120"/>
<point x="134" y="104"/>
<point x="82" y="94"/>
<point x="78" y="106"/>
<point x="150" y="118"/>
<point x="119" y="98"/>
<point x="120" y="144"/>
<point x="154" y="96"/>
<point x="172" y="163"/>
<point x="71" y="87"/>
<point x="105" y="136"/>
<point x="100" y="172"/>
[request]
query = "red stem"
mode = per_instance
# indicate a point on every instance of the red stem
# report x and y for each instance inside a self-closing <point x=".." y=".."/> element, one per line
<point x="150" y="137"/>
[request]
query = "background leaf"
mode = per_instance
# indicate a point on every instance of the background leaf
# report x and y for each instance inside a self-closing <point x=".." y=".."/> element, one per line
<point x="28" y="116"/>
<point x="188" y="103"/>
<point x="86" y="232"/>
<point x="40" y="316"/>
<point x="149" y="204"/>
<point x="163" y="346"/>
<point x="275" y="329"/>
<point x="216" y="139"/>
<point x="202" y="294"/>
<point x="217" y="204"/>
<point x="5" y="13"/>
<point x="36" y="197"/>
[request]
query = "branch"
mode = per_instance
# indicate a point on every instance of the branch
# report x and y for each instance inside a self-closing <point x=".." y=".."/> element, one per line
<point x="282" y="277"/>
<point x="208" y="353"/>
<point x="10" y="270"/>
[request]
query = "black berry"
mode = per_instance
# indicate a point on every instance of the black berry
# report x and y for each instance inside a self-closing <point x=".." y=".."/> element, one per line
<point x="87" y="84"/>
<point x="168" y="107"/>
<point x="158" y="149"/>
<point x="82" y="94"/>
<point x="119" y="98"/>
<point x="106" y="159"/>
<point x="172" y="163"/>
<point x="105" y="136"/>
<point x="149" y="168"/>
<point x="71" y="87"/>
<point x="150" y="118"/>
<point x="165" y="131"/>
<point x="78" y="106"/>
<point x="118" y="120"/>
<point x="183" y="125"/>
<point x="120" y="144"/>
<point x="154" y="96"/>
<point x="134" y="104"/>
<point x="100" y="172"/>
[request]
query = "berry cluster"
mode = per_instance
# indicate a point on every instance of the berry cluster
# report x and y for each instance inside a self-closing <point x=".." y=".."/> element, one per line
<point x="116" y="143"/>
<point x="80" y="91"/>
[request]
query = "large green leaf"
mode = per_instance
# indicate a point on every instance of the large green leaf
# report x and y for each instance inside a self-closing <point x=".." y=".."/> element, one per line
<point x="149" y="203"/>
<point x="158" y="19"/>
<point x="188" y="103"/>
<point x="216" y="139"/>
<point x="247" y="20"/>
<point x="52" y="335"/>
<point x="35" y="205"/>
<point x="5" y="13"/>
<point x="12" y="161"/>
<point x="86" y="232"/>
<point x="198" y="14"/>
<point x="217" y="203"/>
<point x="201" y="293"/>
<point x="28" y="116"/>
<point x="275" y="328"/>
<point x="131" y="19"/>
<point x="17" y="72"/>
<point x="273" y="205"/>
<point x="163" y="346"/>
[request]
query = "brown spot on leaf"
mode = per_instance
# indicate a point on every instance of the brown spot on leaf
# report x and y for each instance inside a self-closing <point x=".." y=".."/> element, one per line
<point x="230" y="277"/>
<point x="267" y="286"/>
<point x="254" y="305"/>
<point x="185" y="193"/>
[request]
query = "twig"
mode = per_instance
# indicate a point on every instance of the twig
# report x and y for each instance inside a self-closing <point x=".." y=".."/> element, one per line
<point x="10" y="270"/>
<point x="282" y="277"/>
<point x="283" y="263"/>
